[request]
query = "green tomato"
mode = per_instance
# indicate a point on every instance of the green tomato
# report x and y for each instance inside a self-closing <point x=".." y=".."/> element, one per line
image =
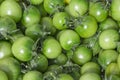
<point x="11" y="8"/>
<point x="39" y="63"/>
<point x="99" y="11"/>
<point x="69" y="39"/>
<point x="87" y="27"/>
<point x="7" y="25"/>
<point x="81" y="55"/>
<point x="34" y="31"/>
<point x="33" y="75"/>
<point x="51" y="6"/>
<point x="3" y="75"/>
<point x="31" y="15"/>
<point x="5" y="49"/>
<point x="60" y="20"/>
<point x="108" y="39"/>
<point x="106" y="57"/>
<point x="112" y="69"/>
<point x="64" y="76"/>
<point x="77" y="8"/>
<point x="90" y="67"/>
<point x="115" y="10"/>
<point x="108" y="23"/>
<point x="51" y="48"/>
<point x="11" y="67"/>
<point x="35" y="2"/>
<point x="48" y="27"/>
<point x="90" y="76"/>
<point x="22" y="48"/>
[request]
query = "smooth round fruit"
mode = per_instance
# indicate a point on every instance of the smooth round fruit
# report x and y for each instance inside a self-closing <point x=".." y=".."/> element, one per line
<point x="90" y="67"/>
<point x="99" y="11"/>
<point x="115" y="9"/>
<point x="90" y="76"/>
<point x="31" y="15"/>
<point x="82" y="55"/>
<point x="64" y="77"/>
<point x="11" y="67"/>
<point x="35" y="2"/>
<point x="5" y="49"/>
<point x="22" y="48"/>
<point x="60" y="20"/>
<point x="11" y="8"/>
<point x="106" y="57"/>
<point x="77" y="8"/>
<point x="69" y="39"/>
<point x="108" y="39"/>
<point x="52" y="6"/>
<point x="51" y="48"/>
<point x="3" y="75"/>
<point x="87" y="27"/>
<point x="33" y="75"/>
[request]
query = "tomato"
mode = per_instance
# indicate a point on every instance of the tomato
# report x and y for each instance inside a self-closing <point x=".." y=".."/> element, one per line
<point x="31" y="15"/>
<point x="108" y="39"/>
<point x="11" y="67"/>
<point x="35" y="2"/>
<point x="39" y="63"/>
<point x="87" y="27"/>
<point x="67" y="1"/>
<point x="51" y="6"/>
<point x="82" y="55"/>
<point x="34" y="31"/>
<point x="115" y="10"/>
<point x="77" y="8"/>
<point x="48" y="26"/>
<point x="42" y="10"/>
<point x="90" y="76"/>
<point x="107" y="24"/>
<point x="33" y="75"/>
<point x="112" y="69"/>
<point x="118" y="61"/>
<point x="64" y="76"/>
<point x="22" y="48"/>
<point x="3" y="75"/>
<point x="60" y="60"/>
<point x="60" y="20"/>
<point x="51" y="48"/>
<point x="106" y="57"/>
<point x="69" y="39"/>
<point x="7" y="25"/>
<point x="5" y="49"/>
<point x="90" y="67"/>
<point x="11" y="8"/>
<point x="98" y="10"/>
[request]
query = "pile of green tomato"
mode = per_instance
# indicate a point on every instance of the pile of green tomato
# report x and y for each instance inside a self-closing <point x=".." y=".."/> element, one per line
<point x="59" y="39"/>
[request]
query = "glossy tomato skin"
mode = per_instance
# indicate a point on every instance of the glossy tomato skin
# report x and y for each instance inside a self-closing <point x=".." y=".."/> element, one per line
<point x="87" y="27"/>
<point x="64" y="76"/>
<point x="3" y="75"/>
<point x="11" y="8"/>
<point x="51" y="6"/>
<point x="106" y="57"/>
<point x="60" y="20"/>
<point x="35" y="2"/>
<point x="11" y="67"/>
<point x="108" y="39"/>
<point x="69" y="39"/>
<point x="98" y="10"/>
<point x="33" y="75"/>
<point x="22" y="48"/>
<point x="51" y="48"/>
<point x="115" y="11"/>
<point x="90" y="76"/>
<point x="5" y="49"/>
<point x="82" y="55"/>
<point x="31" y="15"/>
<point x="78" y="8"/>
